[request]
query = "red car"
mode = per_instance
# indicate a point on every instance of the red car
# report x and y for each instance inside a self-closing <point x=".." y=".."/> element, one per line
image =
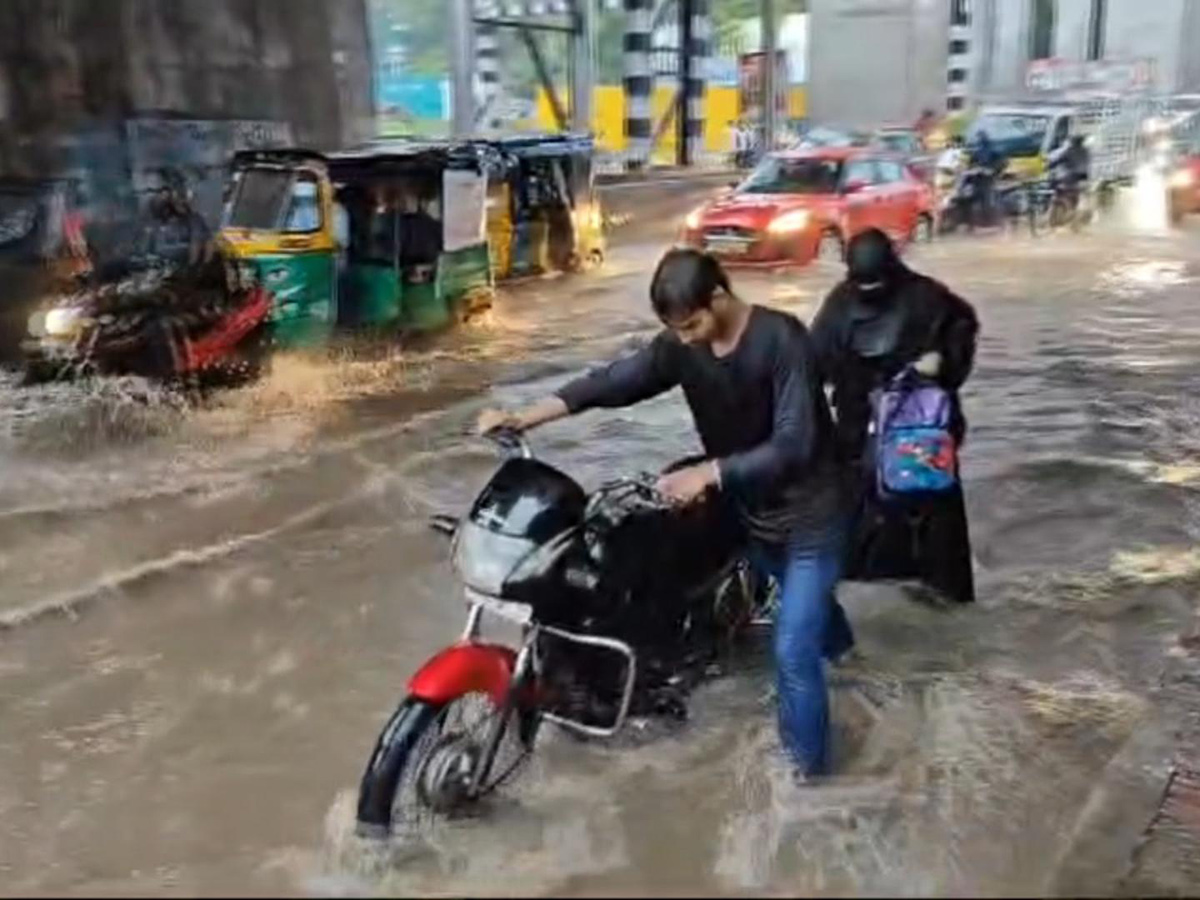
<point x="1184" y="185"/>
<point x="804" y="204"/>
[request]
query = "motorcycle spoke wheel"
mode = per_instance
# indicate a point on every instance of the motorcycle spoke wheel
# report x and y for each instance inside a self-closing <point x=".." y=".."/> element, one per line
<point x="430" y="783"/>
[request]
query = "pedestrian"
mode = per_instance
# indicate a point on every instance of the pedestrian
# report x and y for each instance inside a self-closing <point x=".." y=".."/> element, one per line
<point x="749" y="377"/>
<point x="925" y="125"/>
<point x="884" y="321"/>
<point x="741" y="136"/>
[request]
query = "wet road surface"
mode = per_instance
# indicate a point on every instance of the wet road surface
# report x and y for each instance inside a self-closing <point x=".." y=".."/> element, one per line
<point x="207" y="615"/>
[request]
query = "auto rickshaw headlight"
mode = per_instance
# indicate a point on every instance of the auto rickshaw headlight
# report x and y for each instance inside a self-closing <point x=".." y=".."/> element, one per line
<point x="692" y="222"/>
<point x="795" y="220"/>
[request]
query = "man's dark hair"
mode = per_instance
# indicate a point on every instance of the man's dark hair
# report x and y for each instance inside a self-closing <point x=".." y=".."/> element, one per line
<point x="685" y="282"/>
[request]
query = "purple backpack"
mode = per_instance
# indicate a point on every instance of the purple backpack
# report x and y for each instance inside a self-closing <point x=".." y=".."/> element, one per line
<point x="915" y="450"/>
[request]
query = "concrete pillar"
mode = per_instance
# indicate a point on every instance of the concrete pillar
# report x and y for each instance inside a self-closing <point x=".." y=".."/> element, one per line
<point x="638" y="82"/>
<point x="460" y="67"/>
<point x="487" y="61"/>
<point x="584" y="64"/>
<point x="699" y="49"/>
<point x="770" y="46"/>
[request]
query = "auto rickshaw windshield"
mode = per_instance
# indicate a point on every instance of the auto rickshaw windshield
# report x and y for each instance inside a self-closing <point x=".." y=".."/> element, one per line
<point x="269" y="199"/>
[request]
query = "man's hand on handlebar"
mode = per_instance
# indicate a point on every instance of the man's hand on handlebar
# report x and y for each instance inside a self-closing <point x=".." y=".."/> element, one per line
<point x="496" y="420"/>
<point x="689" y="485"/>
<point x="520" y="420"/>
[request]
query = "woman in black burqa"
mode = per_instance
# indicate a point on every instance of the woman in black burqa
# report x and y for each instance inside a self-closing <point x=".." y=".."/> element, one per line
<point x="882" y="318"/>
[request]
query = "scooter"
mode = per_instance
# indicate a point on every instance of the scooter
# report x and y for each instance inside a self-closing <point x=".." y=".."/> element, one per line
<point x="622" y="603"/>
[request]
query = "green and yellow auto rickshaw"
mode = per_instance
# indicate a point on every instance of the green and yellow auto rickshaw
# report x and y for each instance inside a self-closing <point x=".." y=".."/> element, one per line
<point x="407" y="235"/>
<point x="543" y="212"/>
<point x="389" y="237"/>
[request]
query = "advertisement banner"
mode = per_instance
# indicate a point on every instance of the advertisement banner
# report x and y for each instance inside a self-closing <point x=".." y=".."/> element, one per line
<point x="464" y="198"/>
<point x="1096" y="76"/>
<point x="752" y="85"/>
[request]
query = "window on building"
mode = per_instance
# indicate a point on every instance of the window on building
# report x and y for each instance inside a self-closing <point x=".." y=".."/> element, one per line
<point x="957" y="48"/>
<point x="958" y="76"/>
<point x="1041" y="29"/>
<point x="960" y="12"/>
<point x="954" y="103"/>
<point x="1096" y="25"/>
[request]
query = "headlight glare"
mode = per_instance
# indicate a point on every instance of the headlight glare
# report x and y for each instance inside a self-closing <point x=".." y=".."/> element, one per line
<point x="789" y="222"/>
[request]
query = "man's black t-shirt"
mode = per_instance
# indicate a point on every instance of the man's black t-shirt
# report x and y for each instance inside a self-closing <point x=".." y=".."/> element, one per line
<point x="760" y="411"/>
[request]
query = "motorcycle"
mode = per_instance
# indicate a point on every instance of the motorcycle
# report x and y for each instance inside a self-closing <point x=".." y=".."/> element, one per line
<point x="1058" y="201"/>
<point x="623" y="602"/>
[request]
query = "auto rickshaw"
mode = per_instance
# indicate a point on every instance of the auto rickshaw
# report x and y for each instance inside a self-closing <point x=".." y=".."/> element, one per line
<point x="543" y="212"/>
<point x="1025" y="135"/>
<point x="388" y="237"/>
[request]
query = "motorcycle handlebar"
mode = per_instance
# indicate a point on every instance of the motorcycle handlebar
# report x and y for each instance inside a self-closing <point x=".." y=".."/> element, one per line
<point x="644" y="486"/>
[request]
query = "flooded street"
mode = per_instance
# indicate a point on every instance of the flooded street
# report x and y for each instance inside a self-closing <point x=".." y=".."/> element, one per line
<point x="207" y="615"/>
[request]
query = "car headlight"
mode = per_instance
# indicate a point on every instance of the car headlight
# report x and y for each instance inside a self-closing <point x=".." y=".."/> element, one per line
<point x="1182" y="178"/>
<point x="61" y="321"/>
<point x="789" y="222"/>
<point x="692" y="222"/>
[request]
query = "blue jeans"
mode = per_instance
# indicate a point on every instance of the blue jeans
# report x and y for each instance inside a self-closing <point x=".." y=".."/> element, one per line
<point x="810" y="624"/>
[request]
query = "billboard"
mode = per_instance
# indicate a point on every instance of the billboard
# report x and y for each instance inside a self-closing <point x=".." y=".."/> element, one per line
<point x="752" y="85"/>
<point x="1096" y="76"/>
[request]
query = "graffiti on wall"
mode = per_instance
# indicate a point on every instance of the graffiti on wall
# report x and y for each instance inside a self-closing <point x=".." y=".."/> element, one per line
<point x="163" y="152"/>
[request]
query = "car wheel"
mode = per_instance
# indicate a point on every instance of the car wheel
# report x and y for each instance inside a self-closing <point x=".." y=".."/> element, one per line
<point x="830" y="248"/>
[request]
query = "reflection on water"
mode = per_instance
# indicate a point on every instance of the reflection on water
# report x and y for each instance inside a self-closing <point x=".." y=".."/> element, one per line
<point x="261" y="584"/>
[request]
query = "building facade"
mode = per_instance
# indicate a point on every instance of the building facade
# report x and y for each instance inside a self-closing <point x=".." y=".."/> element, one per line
<point x="1032" y="47"/>
<point x="877" y="61"/>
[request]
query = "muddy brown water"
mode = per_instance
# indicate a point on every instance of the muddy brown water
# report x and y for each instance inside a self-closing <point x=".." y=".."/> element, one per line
<point x="208" y="614"/>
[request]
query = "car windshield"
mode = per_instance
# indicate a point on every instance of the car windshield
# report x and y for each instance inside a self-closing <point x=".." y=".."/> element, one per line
<point x="776" y="175"/>
<point x="897" y="142"/>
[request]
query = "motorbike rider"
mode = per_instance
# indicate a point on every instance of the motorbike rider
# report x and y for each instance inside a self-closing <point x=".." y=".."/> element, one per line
<point x="1070" y="167"/>
<point x="882" y="318"/>
<point x="986" y="162"/>
<point x="749" y="377"/>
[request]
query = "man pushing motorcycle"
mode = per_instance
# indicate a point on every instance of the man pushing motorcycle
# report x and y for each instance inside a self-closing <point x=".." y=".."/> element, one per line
<point x="750" y="379"/>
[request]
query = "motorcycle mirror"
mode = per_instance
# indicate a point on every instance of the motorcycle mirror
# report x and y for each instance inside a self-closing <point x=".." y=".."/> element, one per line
<point x="510" y="440"/>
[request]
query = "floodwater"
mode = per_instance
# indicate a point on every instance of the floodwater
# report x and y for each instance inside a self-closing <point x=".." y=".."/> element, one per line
<point x="207" y="614"/>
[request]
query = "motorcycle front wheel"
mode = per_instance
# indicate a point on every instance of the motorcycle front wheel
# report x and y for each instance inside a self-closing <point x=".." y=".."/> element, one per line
<point x="426" y="756"/>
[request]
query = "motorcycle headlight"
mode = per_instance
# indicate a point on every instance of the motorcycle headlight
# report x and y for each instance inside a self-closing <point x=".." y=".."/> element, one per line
<point x="692" y="222"/>
<point x="1182" y="178"/>
<point x="61" y="321"/>
<point x="789" y="222"/>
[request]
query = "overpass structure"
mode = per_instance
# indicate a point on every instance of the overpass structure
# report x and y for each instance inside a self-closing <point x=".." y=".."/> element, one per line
<point x="474" y="51"/>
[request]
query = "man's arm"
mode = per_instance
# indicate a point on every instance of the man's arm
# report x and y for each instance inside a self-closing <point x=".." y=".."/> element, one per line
<point x="643" y="375"/>
<point x="793" y="435"/>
